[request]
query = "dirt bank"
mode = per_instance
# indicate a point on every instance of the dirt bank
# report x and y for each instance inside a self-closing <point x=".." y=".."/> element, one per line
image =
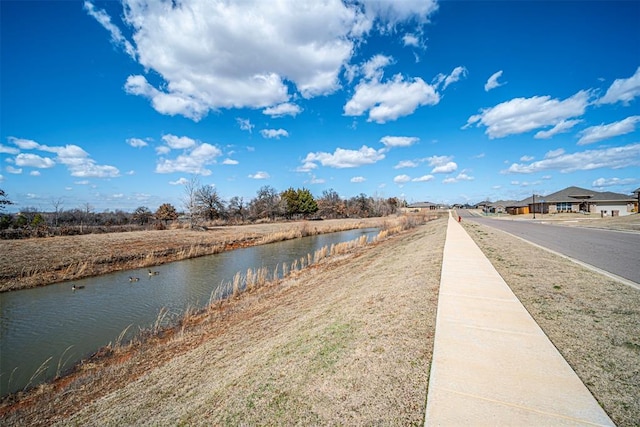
<point x="42" y="261"/>
<point x="346" y="342"/>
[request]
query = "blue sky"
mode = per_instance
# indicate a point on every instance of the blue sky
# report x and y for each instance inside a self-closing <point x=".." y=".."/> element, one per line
<point x="117" y="104"/>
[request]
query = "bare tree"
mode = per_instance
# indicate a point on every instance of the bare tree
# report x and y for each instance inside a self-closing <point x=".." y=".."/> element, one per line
<point x="210" y="205"/>
<point x="57" y="208"/>
<point x="190" y="199"/>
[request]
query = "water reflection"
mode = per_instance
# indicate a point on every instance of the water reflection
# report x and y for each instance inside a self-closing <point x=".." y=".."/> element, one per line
<point x="53" y="326"/>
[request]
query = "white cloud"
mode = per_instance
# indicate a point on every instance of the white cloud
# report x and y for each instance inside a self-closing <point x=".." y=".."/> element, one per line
<point x="35" y="173"/>
<point x="598" y="133"/>
<point x="342" y="158"/>
<point x="461" y="177"/>
<point x="493" y="83"/>
<point x="455" y="76"/>
<point x="260" y="175"/>
<point x="281" y="110"/>
<point x="401" y="179"/>
<point x="391" y="13"/>
<point x="24" y="144"/>
<point x="180" y="181"/>
<point x="34" y="161"/>
<point x="442" y="164"/>
<point x="372" y="69"/>
<point x="399" y="141"/>
<point x="390" y="100"/>
<point x="245" y="124"/>
<point x="11" y="169"/>
<point x="116" y="35"/>
<point x="554" y="153"/>
<point x="406" y="164"/>
<point x="622" y="90"/>
<point x="213" y="54"/>
<point x="179" y="142"/>
<point x="526" y="158"/>
<point x="562" y="127"/>
<point x="273" y="133"/>
<point x="316" y="180"/>
<point x="521" y="115"/>
<point x="614" y="158"/>
<point x="136" y="142"/>
<point x="358" y="179"/>
<point x="411" y="40"/>
<point x="8" y="150"/>
<point x="611" y="182"/>
<point x="230" y="162"/>
<point x="424" y="178"/>
<point x="193" y="160"/>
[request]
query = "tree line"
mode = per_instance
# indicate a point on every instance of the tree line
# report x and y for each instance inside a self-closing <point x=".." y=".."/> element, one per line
<point x="202" y="205"/>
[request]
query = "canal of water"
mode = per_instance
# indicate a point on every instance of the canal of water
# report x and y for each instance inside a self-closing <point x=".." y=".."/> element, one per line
<point x="46" y="330"/>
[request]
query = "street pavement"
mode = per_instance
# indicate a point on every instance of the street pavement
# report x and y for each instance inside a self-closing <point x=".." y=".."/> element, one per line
<point x="613" y="251"/>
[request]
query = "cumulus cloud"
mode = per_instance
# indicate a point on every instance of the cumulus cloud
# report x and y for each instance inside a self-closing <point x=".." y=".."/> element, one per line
<point x="387" y="100"/>
<point x="614" y="158"/>
<point x="493" y="83"/>
<point x="11" y="169"/>
<point x="406" y="164"/>
<point x="342" y="158"/>
<point x="78" y="162"/>
<point x="442" y="164"/>
<point x="34" y="161"/>
<point x="611" y="182"/>
<point x="622" y="90"/>
<point x="424" y="178"/>
<point x="136" y="142"/>
<point x="461" y="177"/>
<point x="273" y="133"/>
<point x="178" y="142"/>
<point x="230" y="162"/>
<point x="526" y="158"/>
<point x="213" y="54"/>
<point x="180" y="181"/>
<point x="357" y="179"/>
<point x="399" y="141"/>
<point x="521" y="115"/>
<point x="411" y="40"/>
<point x="260" y="175"/>
<point x="562" y="127"/>
<point x="194" y="158"/>
<point x="598" y="133"/>
<point x="284" y="109"/>
<point x="401" y="179"/>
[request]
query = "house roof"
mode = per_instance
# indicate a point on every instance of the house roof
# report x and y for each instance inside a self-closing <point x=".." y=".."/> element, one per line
<point x="422" y="205"/>
<point x="576" y="194"/>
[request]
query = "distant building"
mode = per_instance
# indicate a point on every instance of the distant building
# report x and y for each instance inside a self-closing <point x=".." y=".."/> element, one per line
<point x="576" y="199"/>
<point x="422" y="206"/>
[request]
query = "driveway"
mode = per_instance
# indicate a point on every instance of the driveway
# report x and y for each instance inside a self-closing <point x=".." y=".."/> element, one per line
<point x="613" y="251"/>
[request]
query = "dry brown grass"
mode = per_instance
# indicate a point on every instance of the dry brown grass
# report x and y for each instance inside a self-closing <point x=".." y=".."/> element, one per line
<point x="36" y="262"/>
<point x="592" y="320"/>
<point x="347" y="341"/>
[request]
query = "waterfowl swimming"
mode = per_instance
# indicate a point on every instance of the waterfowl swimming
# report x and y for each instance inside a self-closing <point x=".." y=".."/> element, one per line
<point x="153" y="273"/>
<point x="74" y="287"/>
<point x="133" y="279"/>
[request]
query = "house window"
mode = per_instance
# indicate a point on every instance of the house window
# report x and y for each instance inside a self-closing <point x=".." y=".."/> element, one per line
<point x="563" y="206"/>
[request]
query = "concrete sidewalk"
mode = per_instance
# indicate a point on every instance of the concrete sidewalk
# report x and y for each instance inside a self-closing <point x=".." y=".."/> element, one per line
<point x="492" y="364"/>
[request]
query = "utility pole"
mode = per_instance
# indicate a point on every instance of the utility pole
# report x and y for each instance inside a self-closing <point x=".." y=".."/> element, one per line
<point x="534" y="205"/>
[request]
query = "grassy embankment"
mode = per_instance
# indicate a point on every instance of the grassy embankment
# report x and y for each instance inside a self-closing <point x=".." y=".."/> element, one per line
<point x="347" y="340"/>
<point x="42" y="261"/>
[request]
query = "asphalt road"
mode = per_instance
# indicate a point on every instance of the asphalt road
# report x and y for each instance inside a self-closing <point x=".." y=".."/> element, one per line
<point x="612" y="251"/>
